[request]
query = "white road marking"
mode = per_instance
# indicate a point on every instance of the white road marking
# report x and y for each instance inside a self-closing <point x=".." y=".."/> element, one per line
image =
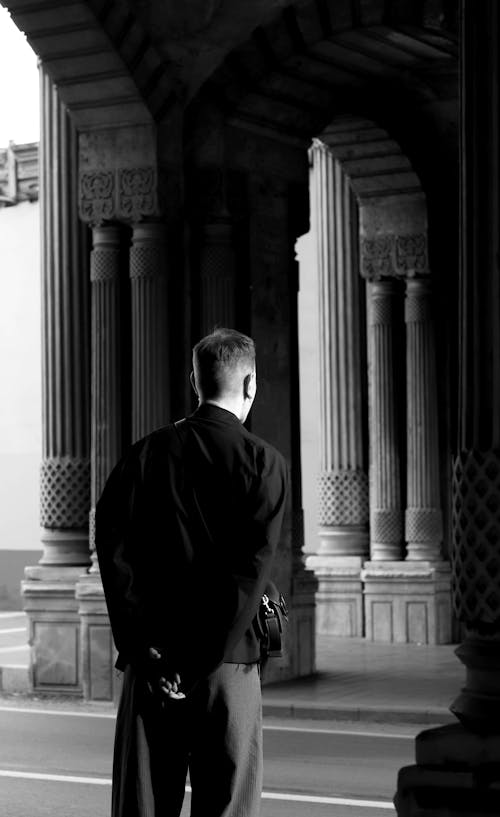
<point x="266" y="795"/>
<point x="56" y="778"/>
<point x="26" y="710"/>
<point x="12" y="630"/>
<point x="267" y="727"/>
<point x="330" y="801"/>
<point x="14" y="649"/>
<point x="12" y="615"/>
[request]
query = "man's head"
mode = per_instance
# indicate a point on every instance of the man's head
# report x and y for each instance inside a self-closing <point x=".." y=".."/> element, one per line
<point x="224" y="371"/>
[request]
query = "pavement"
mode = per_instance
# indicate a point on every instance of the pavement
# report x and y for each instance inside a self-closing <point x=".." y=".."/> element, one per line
<point x="356" y="680"/>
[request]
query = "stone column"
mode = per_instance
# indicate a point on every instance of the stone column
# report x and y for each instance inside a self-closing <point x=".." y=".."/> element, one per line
<point x="150" y="370"/>
<point x="217" y="274"/>
<point x="386" y="519"/>
<point x="423" y="521"/>
<point x="457" y="766"/>
<point x="107" y="440"/>
<point x="49" y="587"/>
<point x="343" y="482"/>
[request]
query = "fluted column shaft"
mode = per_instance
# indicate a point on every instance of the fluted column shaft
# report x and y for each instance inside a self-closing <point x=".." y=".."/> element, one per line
<point x="106" y="360"/>
<point x="423" y="519"/>
<point x="149" y="329"/>
<point x="217" y="275"/>
<point x="65" y="470"/>
<point x="386" y="523"/>
<point x="343" y="484"/>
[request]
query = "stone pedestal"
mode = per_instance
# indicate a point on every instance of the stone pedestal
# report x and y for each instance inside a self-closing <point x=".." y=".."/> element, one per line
<point x="54" y="628"/>
<point x="339" y="596"/>
<point x="100" y="680"/>
<point x="457" y="773"/>
<point x="407" y="602"/>
<point x="48" y="588"/>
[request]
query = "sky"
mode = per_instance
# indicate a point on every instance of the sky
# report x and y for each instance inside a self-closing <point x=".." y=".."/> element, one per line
<point x="19" y="93"/>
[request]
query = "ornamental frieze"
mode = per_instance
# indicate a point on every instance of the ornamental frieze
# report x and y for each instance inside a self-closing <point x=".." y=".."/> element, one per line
<point x="125" y="194"/>
<point x="394" y="256"/>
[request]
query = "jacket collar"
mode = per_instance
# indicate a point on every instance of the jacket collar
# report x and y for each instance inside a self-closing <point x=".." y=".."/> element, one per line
<point x="208" y="411"/>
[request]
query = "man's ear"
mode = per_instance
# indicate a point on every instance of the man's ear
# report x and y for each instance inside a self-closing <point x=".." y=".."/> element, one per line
<point x="249" y="386"/>
<point x="193" y="383"/>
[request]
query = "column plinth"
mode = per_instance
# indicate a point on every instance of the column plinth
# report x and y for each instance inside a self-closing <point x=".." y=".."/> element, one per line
<point x="423" y="519"/>
<point x="386" y="519"/>
<point x="49" y="587"/>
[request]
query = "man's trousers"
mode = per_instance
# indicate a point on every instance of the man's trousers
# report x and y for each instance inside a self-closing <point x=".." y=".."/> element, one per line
<point x="215" y="733"/>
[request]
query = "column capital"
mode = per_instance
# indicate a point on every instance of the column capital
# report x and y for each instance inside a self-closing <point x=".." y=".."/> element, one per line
<point x="394" y="256"/>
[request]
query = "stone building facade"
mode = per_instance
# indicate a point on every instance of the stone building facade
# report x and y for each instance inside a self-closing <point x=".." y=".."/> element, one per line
<point x="185" y="149"/>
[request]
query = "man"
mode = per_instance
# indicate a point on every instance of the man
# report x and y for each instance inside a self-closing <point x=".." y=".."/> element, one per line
<point x="186" y="530"/>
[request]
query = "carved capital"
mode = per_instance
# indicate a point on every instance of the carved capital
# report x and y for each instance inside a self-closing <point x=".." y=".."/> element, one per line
<point x="393" y="256"/>
<point x="137" y="193"/>
<point x="97" y="196"/>
<point x="124" y="194"/>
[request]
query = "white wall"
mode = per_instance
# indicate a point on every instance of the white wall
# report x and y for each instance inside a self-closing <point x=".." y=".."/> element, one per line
<point x="20" y="378"/>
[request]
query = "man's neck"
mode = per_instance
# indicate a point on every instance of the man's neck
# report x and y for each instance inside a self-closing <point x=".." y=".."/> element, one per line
<point x="229" y="405"/>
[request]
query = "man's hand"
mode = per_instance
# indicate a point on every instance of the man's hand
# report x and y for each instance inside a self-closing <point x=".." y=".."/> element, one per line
<point x="165" y="682"/>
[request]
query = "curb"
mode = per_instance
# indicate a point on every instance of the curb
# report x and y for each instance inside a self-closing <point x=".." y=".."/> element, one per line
<point x="366" y="714"/>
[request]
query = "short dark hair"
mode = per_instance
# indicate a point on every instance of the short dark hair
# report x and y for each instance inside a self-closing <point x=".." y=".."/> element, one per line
<point x="217" y="359"/>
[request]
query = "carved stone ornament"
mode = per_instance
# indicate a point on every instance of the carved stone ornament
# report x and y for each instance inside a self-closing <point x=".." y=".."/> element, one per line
<point x="476" y="534"/>
<point x="97" y="202"/>
<point x="64" y="492"/>
<point x="343" y="498"/>
<point x="137" y="193"/>
<point x="393" y="256"/>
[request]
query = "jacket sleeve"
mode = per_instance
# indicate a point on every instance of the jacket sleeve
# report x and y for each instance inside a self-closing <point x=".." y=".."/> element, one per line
<point x="250" y="571"/>
<point x="116" y="511"/>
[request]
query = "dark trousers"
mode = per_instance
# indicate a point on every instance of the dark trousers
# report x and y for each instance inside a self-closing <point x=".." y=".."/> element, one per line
<point x="215" y="733"/>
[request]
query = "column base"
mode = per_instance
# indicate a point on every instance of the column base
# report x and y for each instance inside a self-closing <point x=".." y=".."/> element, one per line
<point x="54" y="628"/>
<point x="407" y="602"/>
<point x="457" y="773"/>
<point x="339" y="598"/>
<point x="344" y="540"/>
<point x="100" y="679"/>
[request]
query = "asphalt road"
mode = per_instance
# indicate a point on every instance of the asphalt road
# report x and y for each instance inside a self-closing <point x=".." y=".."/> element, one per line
<point x="57" y="763"/>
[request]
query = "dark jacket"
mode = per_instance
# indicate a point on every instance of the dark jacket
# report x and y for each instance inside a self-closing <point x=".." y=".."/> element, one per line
<point x="186" y="530"/>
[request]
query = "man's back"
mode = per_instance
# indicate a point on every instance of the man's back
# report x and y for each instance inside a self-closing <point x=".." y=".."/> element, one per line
<point x="201" y="505"/>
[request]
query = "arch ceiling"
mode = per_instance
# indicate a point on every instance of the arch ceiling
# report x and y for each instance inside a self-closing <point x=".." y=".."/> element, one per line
<point x="131" y="61"/>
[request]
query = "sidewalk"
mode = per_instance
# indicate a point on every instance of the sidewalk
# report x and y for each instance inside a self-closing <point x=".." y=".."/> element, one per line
<point x="367" y="681"/>
<point x="356" y="680"/>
